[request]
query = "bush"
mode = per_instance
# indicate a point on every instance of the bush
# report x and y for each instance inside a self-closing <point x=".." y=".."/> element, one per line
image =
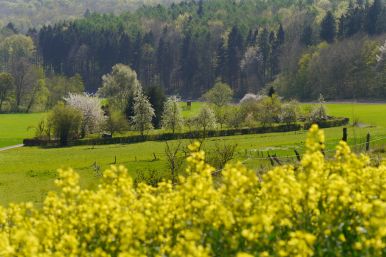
<point x="65" y="122"/>
<point x="332" y="122"/>
<point x="320" y="208"/>
<point x="115" y="123"/>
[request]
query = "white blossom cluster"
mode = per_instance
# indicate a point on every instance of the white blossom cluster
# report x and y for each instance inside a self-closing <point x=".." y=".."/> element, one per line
<point x="90" y="107"/>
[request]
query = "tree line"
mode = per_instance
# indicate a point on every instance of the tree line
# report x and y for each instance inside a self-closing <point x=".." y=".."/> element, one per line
<point x="185" y="48"/>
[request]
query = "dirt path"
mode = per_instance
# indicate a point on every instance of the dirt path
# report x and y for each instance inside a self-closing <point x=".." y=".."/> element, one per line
<point x="10" y="147"/>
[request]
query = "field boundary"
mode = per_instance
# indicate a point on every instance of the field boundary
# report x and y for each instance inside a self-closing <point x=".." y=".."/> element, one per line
<point x="336" y="122"/>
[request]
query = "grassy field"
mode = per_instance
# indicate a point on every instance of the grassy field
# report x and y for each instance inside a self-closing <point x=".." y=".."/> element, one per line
<point x="27" y="174"/>
<point x="372" y="114"/>
<point x="14" y="127"/>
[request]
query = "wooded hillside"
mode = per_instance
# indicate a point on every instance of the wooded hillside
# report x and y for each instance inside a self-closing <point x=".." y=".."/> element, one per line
<point x="302" y="48"/>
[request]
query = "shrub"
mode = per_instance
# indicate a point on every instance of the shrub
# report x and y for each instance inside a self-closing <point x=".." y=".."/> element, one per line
<point x="289" y="112"/>
<point x="235" y="117"/>
<point x="115" y="123"/>
<point x="319" y="112"/>
<point x="269" y="110"/>
<point x="320" y="208"/>
<point x="65" y="122"/>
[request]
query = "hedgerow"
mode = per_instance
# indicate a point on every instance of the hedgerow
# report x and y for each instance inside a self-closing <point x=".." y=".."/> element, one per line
<point x="316" y="208"/>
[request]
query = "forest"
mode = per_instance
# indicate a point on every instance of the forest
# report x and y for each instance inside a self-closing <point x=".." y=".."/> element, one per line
<point x="301" y="48"/>
<point x="29" y="13"/>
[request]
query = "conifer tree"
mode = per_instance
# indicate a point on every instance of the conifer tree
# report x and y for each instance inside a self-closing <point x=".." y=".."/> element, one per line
<point x="328" y="28"/>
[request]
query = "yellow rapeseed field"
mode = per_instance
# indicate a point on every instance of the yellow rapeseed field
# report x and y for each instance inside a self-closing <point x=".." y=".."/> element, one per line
<point x="318" y="208"/>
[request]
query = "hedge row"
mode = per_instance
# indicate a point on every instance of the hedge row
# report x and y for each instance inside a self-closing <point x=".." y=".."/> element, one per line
<point x="330" y="123"/>
<point x="167" y="136"/>
<point x="186" y="135"/>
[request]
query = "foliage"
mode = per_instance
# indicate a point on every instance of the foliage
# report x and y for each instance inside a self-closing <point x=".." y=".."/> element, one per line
<point x="91" y="109"/>
<point x="65" y="122"/>
<point x="381" y="57"/>
<point x="220" y="95"/>
<point x="143" y="112"/>
<point x="328" y="28"/>
<point x="157" y="100"/>
<point x="346" y="69"/>
<point x="269" y="110"/>
<point x="206" y="119"/>
<point x="119" y="85"/>
<point x="290" y="112"/>
<point x="6" y="86"/>
<point x="172" y="117"/>
<point x="60" y="86"/>
<point x="115" y="122"/>
<point x="319" y="111"/>
<point x="245" y="44"/>
<point x="316" y="209"/>
<point x="220" y="154"/>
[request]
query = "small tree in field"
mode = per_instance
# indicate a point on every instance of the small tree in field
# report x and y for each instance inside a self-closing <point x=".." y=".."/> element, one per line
<point x="65" y="122"/>
<point x="319" y="112"/>
<point x="116" y="122"/>
<point x="143" y="112"/>
<point x="172" y="116"/>
<point x="220" y="95"/>
<point x="206" y="119"/>
<point x="289" y="112"/>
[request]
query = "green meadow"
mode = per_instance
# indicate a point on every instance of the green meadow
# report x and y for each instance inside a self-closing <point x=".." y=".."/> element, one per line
<point x="15" y="127"/>
<point x="27" y="174"/>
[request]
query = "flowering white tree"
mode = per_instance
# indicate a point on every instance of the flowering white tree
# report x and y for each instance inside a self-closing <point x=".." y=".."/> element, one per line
<point x="206" y="119"/>
<point x="90" y="107"/>
<point x="250" y="97"/>
<point x="143" y="112"/>
<point x="172" y="116"/>
<point x="319" y="112"/>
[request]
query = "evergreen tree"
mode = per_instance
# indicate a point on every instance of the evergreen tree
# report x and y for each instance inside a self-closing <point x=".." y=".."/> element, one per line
<point x="188" y="64"/>
<point x="373" y="14"/>
<point x="221" y="57"/>
<point x="234" y="55"/>
<point x="265" y="49"/>
<point x="306" y="37"/>
<point x="280" y="35"/>
<point x="157" y="99"/>
<point x="200" y="10"/>
<point x="137" y="53"/>
<point x="328" y="28"/>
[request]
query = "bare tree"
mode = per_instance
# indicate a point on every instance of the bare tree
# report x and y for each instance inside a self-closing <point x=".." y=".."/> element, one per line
<point x="174" y="159"/>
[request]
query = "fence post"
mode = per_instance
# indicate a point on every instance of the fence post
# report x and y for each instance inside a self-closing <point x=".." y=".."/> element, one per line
<point x="297" y="155"/>
<point x="368" y="142"/>
<point x="344" y="134"/>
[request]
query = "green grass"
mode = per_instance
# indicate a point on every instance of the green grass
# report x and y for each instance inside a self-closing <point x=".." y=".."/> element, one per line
<point x="372" y="114"/>
<point x="14" y="127"/>
<point x="27" y="174"/>
<point x="192" y="111"/>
